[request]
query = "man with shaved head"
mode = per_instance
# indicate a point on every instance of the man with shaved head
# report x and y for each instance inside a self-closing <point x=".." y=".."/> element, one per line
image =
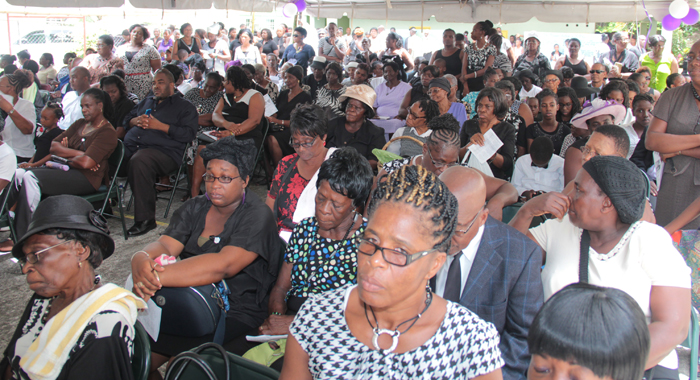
<point x="79" y="82"/>
<point x="491" y="269"/>
<point x="157" y="132"/>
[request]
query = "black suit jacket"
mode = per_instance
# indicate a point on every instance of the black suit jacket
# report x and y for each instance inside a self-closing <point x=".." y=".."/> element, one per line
<point x="504" y="287"/>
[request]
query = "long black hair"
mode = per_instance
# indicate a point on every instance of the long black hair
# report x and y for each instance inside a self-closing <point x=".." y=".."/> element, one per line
<point x="102" y="97"/>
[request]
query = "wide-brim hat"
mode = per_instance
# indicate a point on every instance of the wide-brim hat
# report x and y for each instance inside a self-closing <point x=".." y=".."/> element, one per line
<point x="596" y="108"/>
<point x="528" y="74"/>
<point x="66" y="212"/>
<point x="580" y="85"/>
<point x="361" y="92"/>
<point x="557" y="73"/>
<point x="318" y="62"/>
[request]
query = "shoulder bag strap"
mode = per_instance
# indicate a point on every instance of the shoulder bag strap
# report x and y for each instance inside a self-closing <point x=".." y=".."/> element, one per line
<point x="583" y="257"/>
<point x="284" y="179"/>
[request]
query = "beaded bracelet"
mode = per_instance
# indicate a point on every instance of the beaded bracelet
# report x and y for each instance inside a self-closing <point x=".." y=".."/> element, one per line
<point x="144" y="252"/>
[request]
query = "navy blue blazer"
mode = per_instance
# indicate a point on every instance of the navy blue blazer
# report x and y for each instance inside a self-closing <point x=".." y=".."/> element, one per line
<point x="504" y="287"/>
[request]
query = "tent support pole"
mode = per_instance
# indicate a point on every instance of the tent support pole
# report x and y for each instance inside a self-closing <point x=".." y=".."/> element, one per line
<point x="352" y="17"/>
<point x="9" y="38"/>
<point x="422" y="15"/>
<point x="84" y="35"/>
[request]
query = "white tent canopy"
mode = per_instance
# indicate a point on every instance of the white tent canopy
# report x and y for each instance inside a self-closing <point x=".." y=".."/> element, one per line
<point x="504" y="11"/>
<point x="90" y="6"/>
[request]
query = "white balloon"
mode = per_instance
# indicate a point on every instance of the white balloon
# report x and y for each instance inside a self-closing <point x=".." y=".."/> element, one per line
<point x="679" y="9"/>
<point x="290" y="9"/>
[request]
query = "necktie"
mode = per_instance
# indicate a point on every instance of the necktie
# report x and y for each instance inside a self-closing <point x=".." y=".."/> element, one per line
<point x="453" y="286"/>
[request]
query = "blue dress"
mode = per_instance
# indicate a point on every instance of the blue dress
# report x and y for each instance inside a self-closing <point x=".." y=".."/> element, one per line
<point x="303" y="56"/>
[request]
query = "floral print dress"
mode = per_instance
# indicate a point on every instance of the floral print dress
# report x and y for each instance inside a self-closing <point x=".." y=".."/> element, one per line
<point x="137" y="66"/>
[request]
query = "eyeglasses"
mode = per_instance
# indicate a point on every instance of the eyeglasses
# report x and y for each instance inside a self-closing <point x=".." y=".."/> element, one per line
<point x="223" y="179"/>
<point x="586" y="151"/>
<point x="33" y="257"/>
<point x="297" y="35"/>
<point x="509" y="96"/>
<point x="692" y="57"/>
<point x="301" y="145"/>
<point x="469" y="227"/>
<point x="412" y="115"/>
<point x="597" y="71"/>
<point x="440" y="164"/>
<point x="551" y="80"/>
<point x="391" y="256"/>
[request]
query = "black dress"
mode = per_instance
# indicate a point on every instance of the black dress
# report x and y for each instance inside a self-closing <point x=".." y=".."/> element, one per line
<point x="269" y="47"/>
<point x="506" y="133"/>
<point x="535" y="130"/>
<point x="121" y="109"/>
<point x="194" y="48"/>
<point x="252" y="228"/>
<point x="367" y="138"/>
<point x="42" y="141"/>
<point x="237" y="112"/>
<point x="417" y="94"/>
<point x="284" y="112"/>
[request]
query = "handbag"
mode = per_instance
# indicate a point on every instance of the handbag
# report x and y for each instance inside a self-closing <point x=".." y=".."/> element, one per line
<point x="210" y="361"/>
<point x="194" y="311"/>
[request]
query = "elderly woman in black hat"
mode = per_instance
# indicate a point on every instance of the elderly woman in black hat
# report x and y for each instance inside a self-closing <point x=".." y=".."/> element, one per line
<point x="552" y="79"/>
<point x="532" y="59"/>
<point x="226" y="235"/>
<point x="601" y="221"/>
<point x="74" y="327"/>
<point x="278" y="138"/>
<point x="529" y="81"/>
<point x="355" y="128"/>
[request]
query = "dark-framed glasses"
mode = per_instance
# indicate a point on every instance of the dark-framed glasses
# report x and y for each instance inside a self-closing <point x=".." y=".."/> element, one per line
<point x="297" y="145"/>
<point x="223" y="179"/>
<point x="469" y="226"/>
<point x="33" y="257"/>
<point x="441" y="164"/>
<point x="391" y="256"/>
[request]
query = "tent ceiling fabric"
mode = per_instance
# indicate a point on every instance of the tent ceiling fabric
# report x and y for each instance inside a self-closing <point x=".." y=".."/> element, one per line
<point x="504" y="12"/>
<point x="67" y="3"/>
<point x="240" y="5"/>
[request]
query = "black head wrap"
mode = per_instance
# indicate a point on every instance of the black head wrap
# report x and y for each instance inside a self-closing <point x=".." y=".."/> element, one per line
<point x="622" y="182"/>
<point x="240" y="153"/>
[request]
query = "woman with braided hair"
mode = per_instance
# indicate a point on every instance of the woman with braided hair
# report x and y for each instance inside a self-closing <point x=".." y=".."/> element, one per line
<point x="440" y="151"/>
<point x="390" y="324"/>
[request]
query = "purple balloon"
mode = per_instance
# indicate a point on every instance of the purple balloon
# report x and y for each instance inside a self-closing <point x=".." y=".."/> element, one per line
<point x="692" y="17"/>
<point x="301" y="5"/>
<point x="670" y="23"/>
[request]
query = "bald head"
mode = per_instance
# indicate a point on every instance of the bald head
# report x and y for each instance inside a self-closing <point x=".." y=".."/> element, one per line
<point x="80" y="79"/>
<point x="467" y="185"/>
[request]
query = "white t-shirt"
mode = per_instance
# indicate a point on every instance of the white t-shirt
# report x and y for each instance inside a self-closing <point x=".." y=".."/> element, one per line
<point x="21" y="144"/>
<point x="8" y="162"/>
<point x="528" y="177"/>
<point x="648" y="258"/>
<point x="72" y="111"/>
<point x="252" y="56"/>
<point x="215" y="63"/>
<point x="529" y="94"/>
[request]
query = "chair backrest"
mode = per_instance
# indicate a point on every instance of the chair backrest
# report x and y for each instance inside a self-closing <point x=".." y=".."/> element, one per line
<point x="4" y="195"/>
<point x="141" y="361"/>
<point x="117" y="157"/>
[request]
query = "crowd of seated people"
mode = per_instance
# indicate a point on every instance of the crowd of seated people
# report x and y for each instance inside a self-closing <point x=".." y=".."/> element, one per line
<point x="368" y="173"/>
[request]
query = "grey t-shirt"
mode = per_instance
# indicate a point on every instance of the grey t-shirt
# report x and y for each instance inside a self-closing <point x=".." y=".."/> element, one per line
<point x="326" y="48"/>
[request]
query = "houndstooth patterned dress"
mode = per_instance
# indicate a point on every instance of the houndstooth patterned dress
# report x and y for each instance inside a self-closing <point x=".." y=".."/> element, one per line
<point x="462" y="348"/>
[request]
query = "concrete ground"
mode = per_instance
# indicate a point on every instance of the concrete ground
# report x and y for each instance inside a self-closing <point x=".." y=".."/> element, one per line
<point x="15" y="293"/>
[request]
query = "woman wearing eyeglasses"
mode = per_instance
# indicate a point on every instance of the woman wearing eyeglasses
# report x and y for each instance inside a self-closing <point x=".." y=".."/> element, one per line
<point x="227" y="234"/>
<point x="440" y="151"/>
<point x="293" y="189"/>
<point x="391" y="325"/>
<point x="491" y="108"/>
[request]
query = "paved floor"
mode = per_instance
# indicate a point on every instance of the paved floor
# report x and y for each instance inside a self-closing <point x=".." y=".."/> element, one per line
<point x="15" y="292"/>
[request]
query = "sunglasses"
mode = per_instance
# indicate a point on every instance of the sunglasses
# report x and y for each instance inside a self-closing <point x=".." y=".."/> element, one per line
<point x="597" y="71"/>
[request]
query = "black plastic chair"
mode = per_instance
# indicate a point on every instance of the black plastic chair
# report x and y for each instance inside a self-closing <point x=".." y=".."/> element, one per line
<point x="174" y="187"/>
<point x="107" y="193"/>
<point x="141" y="361"/>
<point x="5" y="219"/>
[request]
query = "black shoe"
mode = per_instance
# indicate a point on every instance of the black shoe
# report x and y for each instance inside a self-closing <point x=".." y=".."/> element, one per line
<point x="140" y="228"/>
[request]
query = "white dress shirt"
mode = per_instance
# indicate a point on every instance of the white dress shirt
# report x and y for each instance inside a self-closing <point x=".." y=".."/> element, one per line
<point x="72" y="111"/>
<point x="529" y="94"/>
<point x="465" y="261"/>
<point x="527" y="177"/>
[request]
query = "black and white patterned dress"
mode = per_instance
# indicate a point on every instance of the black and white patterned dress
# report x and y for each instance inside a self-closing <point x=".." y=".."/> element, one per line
<point x="476" y="58"/>
<point x="328" y="100"/>
<point x="463" y="347"/>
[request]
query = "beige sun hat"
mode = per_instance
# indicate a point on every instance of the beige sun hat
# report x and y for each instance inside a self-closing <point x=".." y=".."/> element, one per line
<point x="361" y="92"/>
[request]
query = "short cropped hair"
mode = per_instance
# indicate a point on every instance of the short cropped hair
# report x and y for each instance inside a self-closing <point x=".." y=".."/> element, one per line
<point x="642" y="98"/>
<point x="308" y="120"/>
<point x="618" y="136"/>
<point x="349" y="174"/>
<point x="541" y="149"/>
<point x="500" y="103"/>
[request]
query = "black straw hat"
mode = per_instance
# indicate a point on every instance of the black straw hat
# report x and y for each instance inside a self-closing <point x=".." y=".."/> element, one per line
<point x="66" y="212"/>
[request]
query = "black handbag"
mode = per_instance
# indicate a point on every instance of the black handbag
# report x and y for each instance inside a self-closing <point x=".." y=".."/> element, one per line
<point x="211" y="362"/>
<point x="194" y="311"/>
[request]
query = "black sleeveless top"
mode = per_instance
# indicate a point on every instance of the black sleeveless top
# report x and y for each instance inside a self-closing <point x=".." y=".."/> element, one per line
<point x="193" y="49"/>
<point x="452" y="62"/>
<point x="579" y="68"/>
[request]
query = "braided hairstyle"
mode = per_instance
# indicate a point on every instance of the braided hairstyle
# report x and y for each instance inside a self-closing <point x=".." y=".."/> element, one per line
<point x="19" y="81"/>
<point x="417" y="186"/>
<point x="445" y="131"/>
<point x="56" y="107"/>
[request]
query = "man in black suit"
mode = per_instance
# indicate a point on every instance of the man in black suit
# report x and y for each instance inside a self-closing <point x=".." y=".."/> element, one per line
<point x="492" y="269"/>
